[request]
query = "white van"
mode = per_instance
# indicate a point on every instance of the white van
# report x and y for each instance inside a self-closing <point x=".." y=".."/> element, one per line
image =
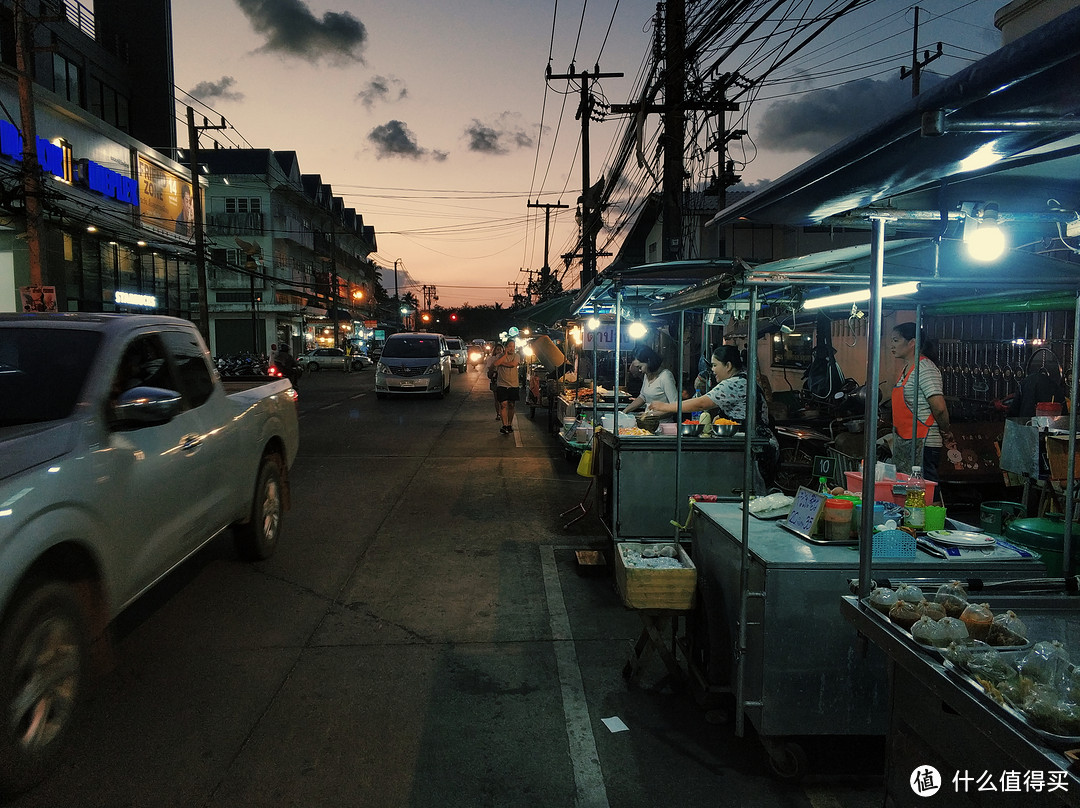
<point x="414" y="364"/>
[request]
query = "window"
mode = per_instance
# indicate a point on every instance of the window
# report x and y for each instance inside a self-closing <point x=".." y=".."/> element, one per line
<point x="196" y="383"/>
<point x="67" y="79"/>
<point x="243" y="204"/>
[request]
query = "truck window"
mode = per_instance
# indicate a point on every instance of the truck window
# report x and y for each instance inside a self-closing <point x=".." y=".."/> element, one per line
<point x="142" y="364"/>
<point x="42" y="372"/>
<point x="196" y="383"/>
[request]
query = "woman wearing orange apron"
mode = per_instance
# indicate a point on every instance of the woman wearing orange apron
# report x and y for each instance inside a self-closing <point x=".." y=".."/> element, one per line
<point x="920" y="421"/>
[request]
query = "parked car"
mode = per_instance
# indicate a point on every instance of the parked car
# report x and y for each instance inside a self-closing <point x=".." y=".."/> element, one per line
<point x="332" y="359"/>
<point x="122" y="452"/>
<point x="413" y="363"/>
<point x="459" y="354"/>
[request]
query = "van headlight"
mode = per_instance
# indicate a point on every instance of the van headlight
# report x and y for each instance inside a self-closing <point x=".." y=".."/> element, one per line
<point x="381" y="368"/>
<point x="433" y="368"/>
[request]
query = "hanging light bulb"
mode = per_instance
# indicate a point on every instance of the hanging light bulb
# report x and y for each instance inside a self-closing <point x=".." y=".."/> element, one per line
<point x="984" y="238"/>
<point x="593" y="323"/>
<point x="637" y="329"/>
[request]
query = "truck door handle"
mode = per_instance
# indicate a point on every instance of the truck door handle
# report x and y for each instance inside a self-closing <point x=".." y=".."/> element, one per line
<point x="189" y="443"/>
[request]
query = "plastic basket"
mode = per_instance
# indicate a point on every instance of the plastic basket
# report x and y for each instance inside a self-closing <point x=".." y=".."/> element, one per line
<point x="893" y="544"/>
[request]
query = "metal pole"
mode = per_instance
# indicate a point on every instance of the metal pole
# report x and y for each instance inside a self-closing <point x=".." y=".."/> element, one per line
<point x="748" y="484"/>
<point x="678" y="445"/>
<point x="197" y="227"/>
<point x="873" y="348"/>
<point x="616" y="411"/>
<point x="1070" y="476"/>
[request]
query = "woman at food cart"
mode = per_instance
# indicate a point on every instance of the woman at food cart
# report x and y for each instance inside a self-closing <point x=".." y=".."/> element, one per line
<point x="729" y="395"/>
<point x="924" y="424"/>
<point x="658" y="383"/>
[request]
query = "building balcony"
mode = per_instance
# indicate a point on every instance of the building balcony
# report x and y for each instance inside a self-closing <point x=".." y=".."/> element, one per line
<point x="235" y="224"/>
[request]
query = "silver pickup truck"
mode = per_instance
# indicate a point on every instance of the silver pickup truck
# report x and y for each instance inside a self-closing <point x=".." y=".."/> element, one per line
<point x="121" y="454"/>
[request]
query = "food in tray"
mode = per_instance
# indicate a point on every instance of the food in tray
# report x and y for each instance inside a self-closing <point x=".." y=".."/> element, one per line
<point x="953" y="596"/>
<point x="1039" y="684"/>
<point x="634" y="431"/>
<point x="770" y="503"/>
<point x="978" y="618"/>
<point x="905" y="606"/>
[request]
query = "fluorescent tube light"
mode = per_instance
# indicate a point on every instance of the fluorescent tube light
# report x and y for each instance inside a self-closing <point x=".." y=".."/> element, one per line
<point x="844" y="298"/>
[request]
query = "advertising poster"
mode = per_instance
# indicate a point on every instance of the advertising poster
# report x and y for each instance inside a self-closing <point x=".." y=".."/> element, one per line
<point x="165" y="199"/>
<point x="38" y="298"/>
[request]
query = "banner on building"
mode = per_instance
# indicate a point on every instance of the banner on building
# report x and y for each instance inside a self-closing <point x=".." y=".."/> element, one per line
<point x="165" y="200"/>
<point x="38" y="298"/>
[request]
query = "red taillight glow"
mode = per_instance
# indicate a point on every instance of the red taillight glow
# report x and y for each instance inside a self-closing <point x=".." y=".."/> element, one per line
<point x="273" y="371"/>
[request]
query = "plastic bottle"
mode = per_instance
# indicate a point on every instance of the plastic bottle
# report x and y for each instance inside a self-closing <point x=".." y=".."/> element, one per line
<point x="915" y="501"/>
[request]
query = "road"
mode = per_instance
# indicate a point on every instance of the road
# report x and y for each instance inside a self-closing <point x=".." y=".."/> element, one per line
<point x="421" y="638"/>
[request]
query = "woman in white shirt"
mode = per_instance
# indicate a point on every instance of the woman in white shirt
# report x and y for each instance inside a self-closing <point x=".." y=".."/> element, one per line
<point x="658" y="384"/>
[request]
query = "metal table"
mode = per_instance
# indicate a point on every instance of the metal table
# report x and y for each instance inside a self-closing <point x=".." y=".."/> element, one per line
<point x="938" y="718"/>
<point x="803" y="669"/>
<point x="643" y="483"/>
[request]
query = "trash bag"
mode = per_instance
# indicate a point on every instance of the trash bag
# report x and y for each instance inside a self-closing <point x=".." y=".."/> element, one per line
<point x="823" y="381"/>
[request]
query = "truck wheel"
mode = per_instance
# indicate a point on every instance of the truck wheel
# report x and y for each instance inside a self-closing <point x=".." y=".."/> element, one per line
<point x="44" y="653"/>
<point x="257" y="538"/>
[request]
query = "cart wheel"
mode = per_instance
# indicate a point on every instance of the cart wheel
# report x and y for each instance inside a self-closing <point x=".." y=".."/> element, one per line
<point x="788" y="760"/>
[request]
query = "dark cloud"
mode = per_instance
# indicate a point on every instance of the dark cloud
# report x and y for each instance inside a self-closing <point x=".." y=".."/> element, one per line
<point x="382" y="89"/>
<point x="222" y="88"/>
<point x="818" y="119"/>
<point x="501" y="136"/>
<point x="393" y="139"/>
<point x="291" y="29"/>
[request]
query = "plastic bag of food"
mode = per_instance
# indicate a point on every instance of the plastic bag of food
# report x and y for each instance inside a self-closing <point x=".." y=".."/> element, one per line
<point x="1007" y="629"/>
<point x="904" y="614"/>
<point x="882" y="599"/>
<point x="1047" y="663"/>
<point x="910" y="593"/>
<point x="953" y="596"/>
<point x="978" y="618"/>
<point x="990" y="665"/>
<point x="928" y="632"/>
<point x="935" y="611"/>
<point x="954" y="628"/>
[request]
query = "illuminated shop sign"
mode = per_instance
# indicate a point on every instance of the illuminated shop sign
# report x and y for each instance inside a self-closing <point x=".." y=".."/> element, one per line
<point x="93" y="175"/>
<point x="132" y="299"/>
<point x="50" y="156"/>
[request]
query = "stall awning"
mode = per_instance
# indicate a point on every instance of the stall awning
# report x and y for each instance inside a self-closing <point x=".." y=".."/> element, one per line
<point x="644" y="285"/>
<point x="548" y="312"/>
<point x="1008" y="130"/>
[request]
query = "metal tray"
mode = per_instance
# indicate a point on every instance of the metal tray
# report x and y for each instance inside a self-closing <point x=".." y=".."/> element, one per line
<point x="1049" y="738"/>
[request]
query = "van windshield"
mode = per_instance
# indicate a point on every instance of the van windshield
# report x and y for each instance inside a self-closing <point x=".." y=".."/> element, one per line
<point x="421" y="347"/>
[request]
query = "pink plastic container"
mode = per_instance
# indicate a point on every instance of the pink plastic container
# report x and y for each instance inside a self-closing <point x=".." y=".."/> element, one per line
<point x="667" y="429"/>
<point x="883" y="491"/>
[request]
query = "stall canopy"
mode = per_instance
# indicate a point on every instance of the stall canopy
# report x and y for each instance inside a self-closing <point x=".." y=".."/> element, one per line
<point x="642" y="286"/>
<point x="1005" y="130"/>
<point x="548" y="312"/>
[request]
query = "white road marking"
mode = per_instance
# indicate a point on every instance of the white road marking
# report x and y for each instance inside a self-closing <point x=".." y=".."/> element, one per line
<point x="588" y="778"/>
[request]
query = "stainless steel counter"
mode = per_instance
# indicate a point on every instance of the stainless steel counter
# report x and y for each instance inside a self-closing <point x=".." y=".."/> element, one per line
<point x="643" y="483"/>
<point x="803" y="669"/>
<point x="939" y="718"/>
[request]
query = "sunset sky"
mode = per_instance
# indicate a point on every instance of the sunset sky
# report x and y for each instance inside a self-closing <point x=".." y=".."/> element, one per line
<point x="434" y="121"/>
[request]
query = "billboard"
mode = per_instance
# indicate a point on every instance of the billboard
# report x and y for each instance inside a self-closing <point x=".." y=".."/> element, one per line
<point x="165" y="199"/>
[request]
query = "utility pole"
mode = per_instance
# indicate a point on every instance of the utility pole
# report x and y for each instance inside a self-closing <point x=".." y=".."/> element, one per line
<point x="430" y="295"/>
<point x="31" y="170"/>
<point x="674" y="128"/>
<point x="197" y="225"/>
<point x="915" y="71"/>
<point x="545" y="272"/>
<point x="590" y="207"/>
<point x="397" y="301"/>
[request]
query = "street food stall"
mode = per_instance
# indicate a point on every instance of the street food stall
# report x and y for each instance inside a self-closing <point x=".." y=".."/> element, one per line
<point x="644" y="480"/>
<point x="769" y="597"/>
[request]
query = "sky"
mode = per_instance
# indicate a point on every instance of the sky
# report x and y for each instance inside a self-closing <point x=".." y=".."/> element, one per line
<point x="435" y="123"/>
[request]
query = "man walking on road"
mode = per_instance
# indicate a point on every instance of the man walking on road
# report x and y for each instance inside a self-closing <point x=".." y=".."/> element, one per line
<point x="507" y="384"/>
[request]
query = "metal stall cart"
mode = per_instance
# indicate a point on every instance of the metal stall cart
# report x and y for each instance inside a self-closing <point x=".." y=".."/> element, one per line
<point x="939" y="716"/>
<point x="803" y="669"/>
<point x="638" y="487"/>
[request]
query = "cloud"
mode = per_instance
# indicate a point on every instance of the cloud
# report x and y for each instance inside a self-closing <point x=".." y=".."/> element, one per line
<point x="501" y="136"/>
<point x="382" y="88"/>
<point x="394" y="139"/>
<point x="222" y="88"/>
<point x="818" y="119"/>
<point x="291" y="29"/>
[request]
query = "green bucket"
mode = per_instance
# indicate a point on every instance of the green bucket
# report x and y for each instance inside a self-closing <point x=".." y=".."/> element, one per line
<point x="1046" y="536"/>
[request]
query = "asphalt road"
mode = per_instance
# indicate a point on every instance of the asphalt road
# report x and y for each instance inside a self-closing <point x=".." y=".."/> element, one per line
<point x="422" y="638"/>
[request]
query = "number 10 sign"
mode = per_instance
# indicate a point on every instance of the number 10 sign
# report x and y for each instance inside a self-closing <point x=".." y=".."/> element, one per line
<point x="602" y="339"/>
